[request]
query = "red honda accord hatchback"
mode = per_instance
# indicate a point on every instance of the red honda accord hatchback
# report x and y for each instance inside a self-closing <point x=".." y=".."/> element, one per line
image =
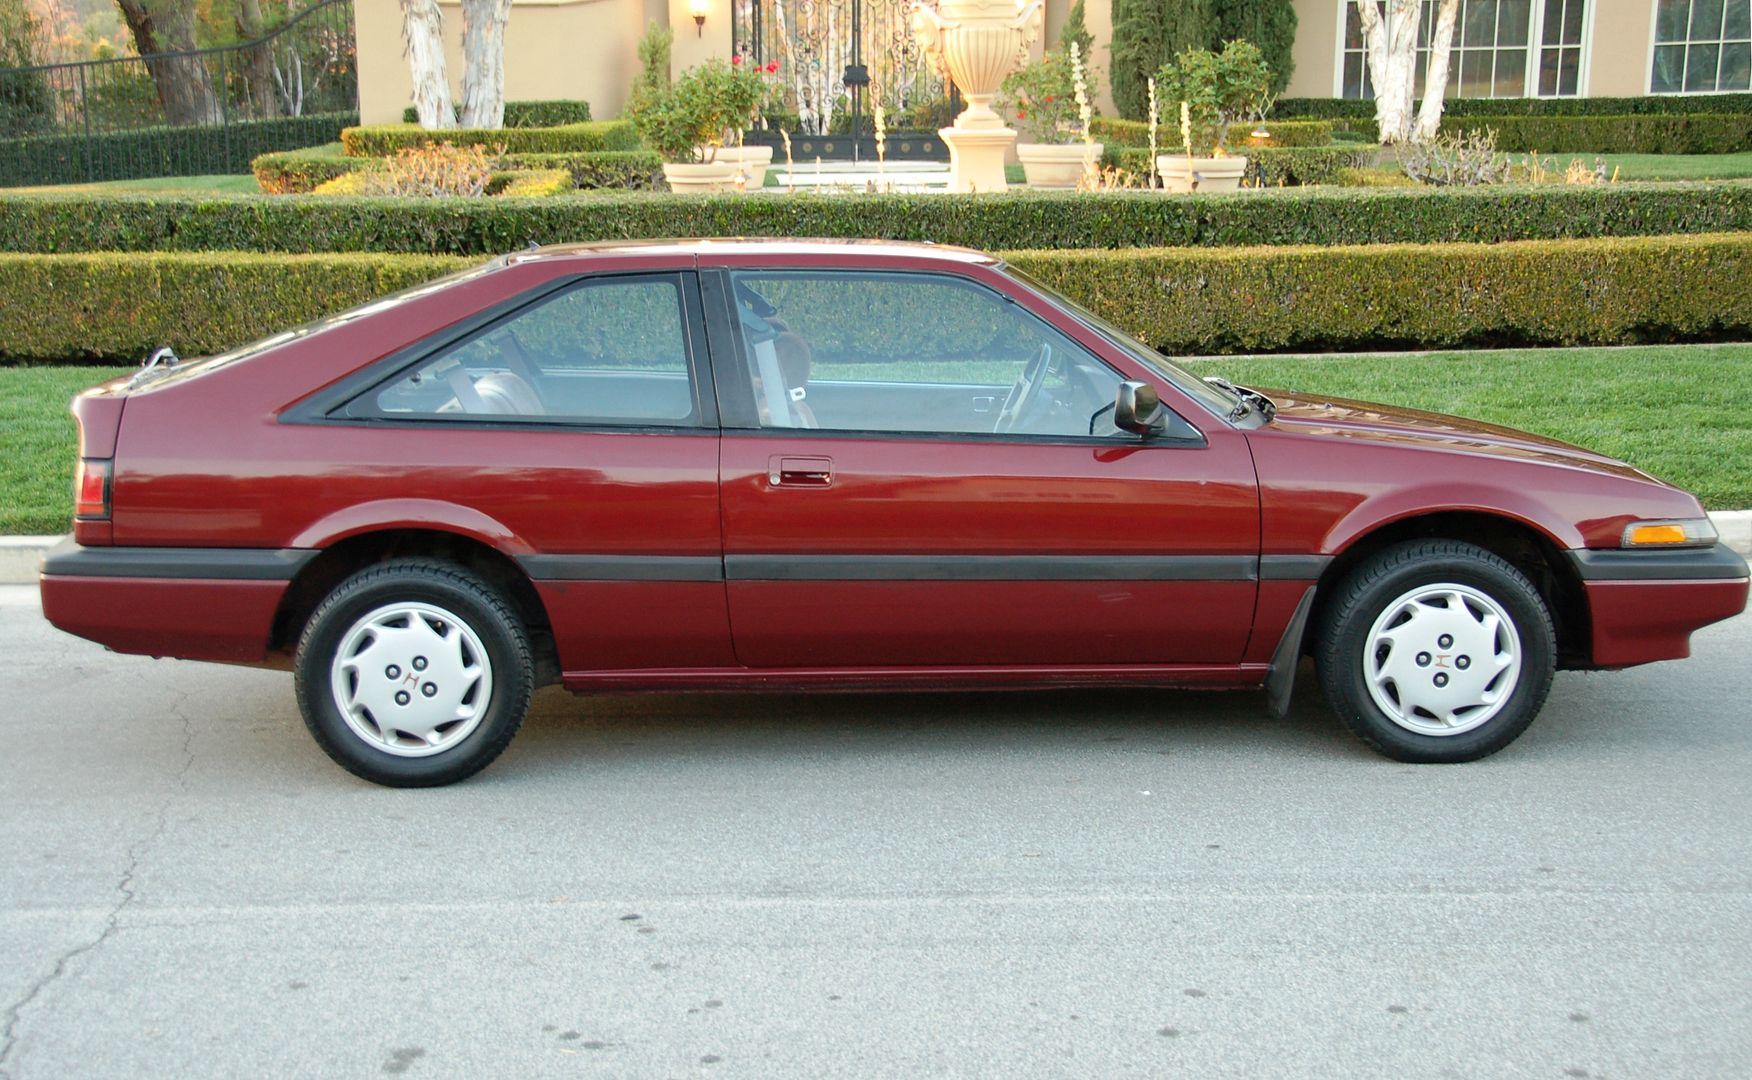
<point x="660" y="466"/>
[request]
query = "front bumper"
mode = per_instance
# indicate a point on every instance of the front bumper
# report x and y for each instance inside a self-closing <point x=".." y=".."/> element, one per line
<point x="1644" y="606"/>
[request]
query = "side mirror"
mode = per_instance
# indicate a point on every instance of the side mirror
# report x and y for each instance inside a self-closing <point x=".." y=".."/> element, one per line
<point x="1137" y="409"/>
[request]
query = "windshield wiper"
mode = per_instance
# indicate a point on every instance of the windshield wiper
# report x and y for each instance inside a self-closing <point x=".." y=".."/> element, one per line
<point x="1246" y="400"/>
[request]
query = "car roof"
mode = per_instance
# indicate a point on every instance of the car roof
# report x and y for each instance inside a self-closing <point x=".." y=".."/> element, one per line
<point x="760" y="246"/>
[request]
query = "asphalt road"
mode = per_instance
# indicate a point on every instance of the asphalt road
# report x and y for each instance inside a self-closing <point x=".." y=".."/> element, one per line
<point x="1078" y="885"/>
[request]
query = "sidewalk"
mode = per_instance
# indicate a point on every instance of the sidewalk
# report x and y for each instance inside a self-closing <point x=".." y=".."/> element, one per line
<point x="21" y="555"/>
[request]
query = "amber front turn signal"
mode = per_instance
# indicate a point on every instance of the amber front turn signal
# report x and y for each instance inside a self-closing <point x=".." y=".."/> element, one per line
<point x="1693" y="533"/>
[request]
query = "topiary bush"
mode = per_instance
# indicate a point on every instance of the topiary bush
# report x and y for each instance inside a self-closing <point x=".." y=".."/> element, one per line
<point x="1284" y="133"/>
<point x="522" y="114"/>
<point x="1037" y="219"/>
<point x="1295" y="166"/>
<point x="160" y="151"/>
<point x="299" y="172"/>
<point x="1180" y="300"/>
<point x="382" y="140"/>
<point x="1651" y="133"/>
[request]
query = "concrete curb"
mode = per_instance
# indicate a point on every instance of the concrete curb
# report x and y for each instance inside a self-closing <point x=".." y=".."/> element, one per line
<point x="21" y="556"/>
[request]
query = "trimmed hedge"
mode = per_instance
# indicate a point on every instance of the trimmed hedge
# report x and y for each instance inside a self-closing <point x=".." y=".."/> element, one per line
<point x="522" y="114"/>
<point x="382" y="140"/>
<point x="121" y="306"/>
<point x="1023" y="219"/>
<point x="1293" y="166"/>
<point x="1284" y="133"/>
<point x="1673" y="133"/>
<point x="160" y="151"/>
<point x="1647" y="104"/>
<point x="300" y="171"/>
<point x="1566" y="292"/>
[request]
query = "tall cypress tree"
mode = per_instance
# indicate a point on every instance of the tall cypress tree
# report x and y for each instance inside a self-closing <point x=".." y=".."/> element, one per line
<point x="1146" y="35"/>
<point x="1269" y="24"/>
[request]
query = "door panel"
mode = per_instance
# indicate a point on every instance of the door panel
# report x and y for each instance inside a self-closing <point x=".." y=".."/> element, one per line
<point x="933" y="552"/>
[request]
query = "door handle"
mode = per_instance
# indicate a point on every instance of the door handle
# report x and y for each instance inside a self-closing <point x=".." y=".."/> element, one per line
<point x="800" y="472"/>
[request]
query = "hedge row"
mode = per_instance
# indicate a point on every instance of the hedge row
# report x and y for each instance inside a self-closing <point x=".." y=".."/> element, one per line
<point x="1329" y="108"/>
<point x="1023" y="219"/>
<point x="382" y="140"/>
<point x="523" y="114"/>
<point x="1293" y="166"/>
<point x="1648" y="133"/>
<point x="160" y="151"/>
<point x="1567" y="292"/>
<point x="1115" y="132"/>
<point x="1693" y="133"/>
<point x="120" y="306"/>
<point x="299" y="171"/>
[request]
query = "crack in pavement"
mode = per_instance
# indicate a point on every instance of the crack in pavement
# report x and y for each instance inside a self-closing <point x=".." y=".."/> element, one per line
<point x="124" y="889"/>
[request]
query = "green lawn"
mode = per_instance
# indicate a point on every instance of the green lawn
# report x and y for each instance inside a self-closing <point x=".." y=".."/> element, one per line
<point x="154" y="185"/>
<point x="1678" y="411"/>
<point x="1659" y="166"/>
<point x="38" y="443"/>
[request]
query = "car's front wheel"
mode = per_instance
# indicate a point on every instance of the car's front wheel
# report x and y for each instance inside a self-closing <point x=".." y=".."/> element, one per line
<point x="414" y="673"/>
<point x="1436" y="651"/>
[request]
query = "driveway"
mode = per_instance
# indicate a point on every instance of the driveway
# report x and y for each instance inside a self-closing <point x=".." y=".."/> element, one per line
<point x="1078" y="885"/>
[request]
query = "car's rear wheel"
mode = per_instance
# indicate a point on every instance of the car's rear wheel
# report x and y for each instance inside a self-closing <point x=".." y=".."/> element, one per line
<point x="414" y="673"/>
<point x="1436" y="651"/>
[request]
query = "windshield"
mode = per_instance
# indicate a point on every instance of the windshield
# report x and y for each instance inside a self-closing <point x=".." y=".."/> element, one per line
<point x="190" y="368"/>
<point x="1217" y="400"/>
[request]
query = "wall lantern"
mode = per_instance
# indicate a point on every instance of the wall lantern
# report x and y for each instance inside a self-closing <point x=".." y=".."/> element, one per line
<point x="698" y="9"/>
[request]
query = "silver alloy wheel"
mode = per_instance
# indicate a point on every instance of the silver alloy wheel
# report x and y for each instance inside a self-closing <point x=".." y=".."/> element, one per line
<point x="1442" y="659"/>
<point x="411" y="679"/>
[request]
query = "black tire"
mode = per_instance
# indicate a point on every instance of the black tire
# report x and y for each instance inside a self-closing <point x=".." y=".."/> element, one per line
<point x="479" y="610"/>
<point x="1344" y="650"/>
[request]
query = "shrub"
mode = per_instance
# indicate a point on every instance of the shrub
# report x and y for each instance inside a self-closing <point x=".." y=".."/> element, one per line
<point x="382" y="140"/>
<point x="1215" y="89"/>
<point x="532" y="183"/>
<point x="426" y="172"/>
<point x="526" y="114"/>
<point x="1284" y="133"/>
<point x="1277" y="167"/>
<point x="1042" y="98"/>
<point x="298" y="172"/>
<point x="1567" y="292"/>
<point x="1148" y="34"/>
<point x="1465" y="159"/>
<point x="160" y="151"/>
<point x="1655" y="133"/>
<point x="1180" y="300"/>
<point x="121" y="306"/>
<point x="88" y="222"/>
<point x="1649" y="104"/>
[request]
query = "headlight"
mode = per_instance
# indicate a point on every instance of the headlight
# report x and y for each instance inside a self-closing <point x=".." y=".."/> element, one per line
<point x="1696" y="532"/>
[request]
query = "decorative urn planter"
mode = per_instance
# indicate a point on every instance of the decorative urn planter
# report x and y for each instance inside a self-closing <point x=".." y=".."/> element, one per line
<point x="751" y="160"/>
<point x="976" y="43"/>
<point x="1054" y="166"/>
<point x="693" y="178"/>
<point x="1183" y="174"/>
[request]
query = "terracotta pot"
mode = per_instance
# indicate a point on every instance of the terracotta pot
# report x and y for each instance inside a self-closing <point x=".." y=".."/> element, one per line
<point x="1211" y="173"/>
<point x="752" y="160"/>
<point x="1051" y="166"/>
<point x="690" y="178"/>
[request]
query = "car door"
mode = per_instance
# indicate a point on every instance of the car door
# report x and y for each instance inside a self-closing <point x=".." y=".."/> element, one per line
<point x="889" y="502"/>
<point x="576" y="426"/>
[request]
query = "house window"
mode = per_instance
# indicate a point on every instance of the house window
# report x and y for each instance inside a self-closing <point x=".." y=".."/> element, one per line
<point x="1702" y="46"/>
<point x="1501" y="48"/>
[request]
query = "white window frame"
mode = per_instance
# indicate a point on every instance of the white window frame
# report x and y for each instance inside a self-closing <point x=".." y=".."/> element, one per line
<point x="1648" y="62"/>
<point x="1535" y="45"/>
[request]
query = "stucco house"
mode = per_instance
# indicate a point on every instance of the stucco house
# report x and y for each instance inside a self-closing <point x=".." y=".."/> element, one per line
<point x="1503" y="48"/>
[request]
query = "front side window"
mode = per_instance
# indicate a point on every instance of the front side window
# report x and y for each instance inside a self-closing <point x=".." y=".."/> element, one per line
<point x="1501" y="48"/>
<point x="608" y="351"/>
<point x="898" y="352"/>
<point x="1702" y="46"/>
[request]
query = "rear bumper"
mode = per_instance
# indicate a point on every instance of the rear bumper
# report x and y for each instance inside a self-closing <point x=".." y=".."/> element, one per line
<point x="191" y="603"/>
<point x="1644" y="606"/>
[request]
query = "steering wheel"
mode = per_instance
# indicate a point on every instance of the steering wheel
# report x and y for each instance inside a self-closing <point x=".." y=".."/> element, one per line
<point x="1025" y="391"/>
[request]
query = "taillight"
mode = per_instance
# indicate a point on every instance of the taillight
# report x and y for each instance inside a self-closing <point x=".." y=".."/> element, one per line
<point x="91" y="490"/>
